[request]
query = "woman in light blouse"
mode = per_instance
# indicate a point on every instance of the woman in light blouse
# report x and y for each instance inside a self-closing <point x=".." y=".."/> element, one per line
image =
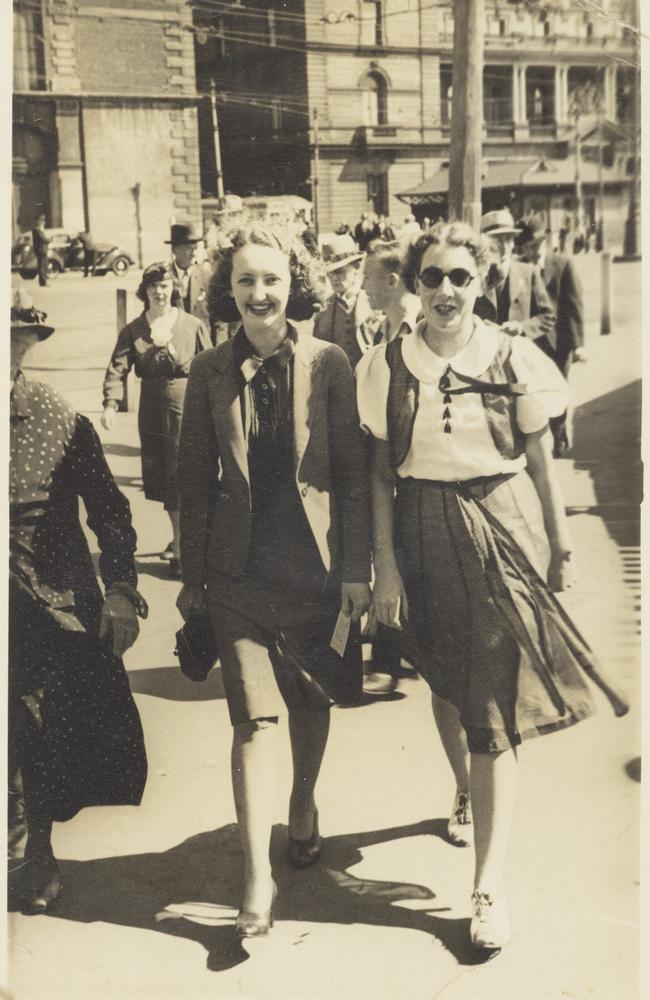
<point x="160" y="344"/>
<point x="473" y="542"/>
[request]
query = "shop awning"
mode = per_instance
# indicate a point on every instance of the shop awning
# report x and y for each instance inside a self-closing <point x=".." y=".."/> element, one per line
<point x="538" y="174"/>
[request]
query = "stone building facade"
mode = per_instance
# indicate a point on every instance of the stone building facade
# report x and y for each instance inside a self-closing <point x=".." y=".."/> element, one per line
<point x="381" y="81"/>
<point x="105" y="133"/>
<point x="377" y="73"/>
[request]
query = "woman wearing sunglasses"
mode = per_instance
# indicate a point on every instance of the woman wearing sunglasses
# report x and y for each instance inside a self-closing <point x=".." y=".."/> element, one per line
<point x="472" y="543"/>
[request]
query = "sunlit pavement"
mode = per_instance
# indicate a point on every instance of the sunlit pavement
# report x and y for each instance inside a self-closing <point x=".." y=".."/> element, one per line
<point x="150" y="893"/>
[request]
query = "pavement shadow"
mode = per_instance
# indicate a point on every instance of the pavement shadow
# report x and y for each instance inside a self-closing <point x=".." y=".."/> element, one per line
<point x="155" y="567"/>
<point x="121" y="450"/>
<point x="151" y="892"/>
<point x="607" y="444"/>
<point x="170" y="683"/>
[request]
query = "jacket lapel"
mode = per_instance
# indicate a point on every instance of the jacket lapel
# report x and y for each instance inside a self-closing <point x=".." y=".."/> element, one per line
<point x="227" y="411"/>
<point x="302" y="387"/>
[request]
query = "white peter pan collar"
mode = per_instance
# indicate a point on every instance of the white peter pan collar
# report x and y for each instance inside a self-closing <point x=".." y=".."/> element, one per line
<point x="473" y="359"/>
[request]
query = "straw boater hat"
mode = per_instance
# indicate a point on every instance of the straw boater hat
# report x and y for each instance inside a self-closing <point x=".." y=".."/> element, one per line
<point x="499" y="223"/>
<point x="341" y="250"/>
<point x="25" y="316"/>
<point x="184" y="232"/>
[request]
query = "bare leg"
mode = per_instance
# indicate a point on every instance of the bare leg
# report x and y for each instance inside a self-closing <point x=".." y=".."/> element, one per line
<point x="175" y="518"/>
<point x="253" y="782"/>
<point x="308" y="732"/>
<point x="493" y="787"/>
<point x="454" y="742"/>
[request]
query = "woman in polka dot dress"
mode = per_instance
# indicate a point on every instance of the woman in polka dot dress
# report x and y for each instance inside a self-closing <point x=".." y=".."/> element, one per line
<point x="75" y="737"/>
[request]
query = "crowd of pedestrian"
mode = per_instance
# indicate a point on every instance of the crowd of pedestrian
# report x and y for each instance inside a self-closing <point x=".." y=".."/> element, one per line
<point x="393" y="468"/>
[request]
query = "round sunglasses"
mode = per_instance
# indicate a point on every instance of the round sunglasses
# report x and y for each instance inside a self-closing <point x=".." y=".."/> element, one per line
<point x="432" y="277"/>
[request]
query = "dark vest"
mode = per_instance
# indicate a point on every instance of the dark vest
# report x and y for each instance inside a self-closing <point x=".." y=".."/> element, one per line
<point x="497" y="385"/>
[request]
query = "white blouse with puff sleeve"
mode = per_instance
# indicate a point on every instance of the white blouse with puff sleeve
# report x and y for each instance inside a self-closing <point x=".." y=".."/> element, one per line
<point x="469" y="450"/>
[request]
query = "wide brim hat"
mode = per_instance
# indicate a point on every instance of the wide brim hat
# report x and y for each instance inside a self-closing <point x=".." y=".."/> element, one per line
<point x="184" y="232"/>
<point x="340" y="251"/>
<point x="25" y="316"/>
<point x="499" y="223"/>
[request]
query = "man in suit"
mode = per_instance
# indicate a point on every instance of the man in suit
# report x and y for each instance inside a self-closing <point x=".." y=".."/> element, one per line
<point x="347" y="319"/>
<point x="192" y="277"/>
<point x="565" y="343"/>
<point x="515" y="297"/>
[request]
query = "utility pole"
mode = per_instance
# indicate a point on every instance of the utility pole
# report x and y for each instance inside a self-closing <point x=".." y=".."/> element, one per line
<point x="467" y="112"/>
<point x="631" y="241"/>
<point x="577" y="213"/>
<point x="600" y="228"/>
<point x="215" y="134"/>
<point x="315" y="180"/>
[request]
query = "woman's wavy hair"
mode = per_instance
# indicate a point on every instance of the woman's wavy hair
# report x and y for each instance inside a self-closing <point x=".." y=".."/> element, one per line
<point x="450" y="234"/>
<point x="308" y="286"/>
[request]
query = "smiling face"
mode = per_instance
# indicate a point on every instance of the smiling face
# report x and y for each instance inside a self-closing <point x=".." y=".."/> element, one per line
<point x="260" y="286"/>
<point x="159" y="293"/>
<point x="447" y="308"/>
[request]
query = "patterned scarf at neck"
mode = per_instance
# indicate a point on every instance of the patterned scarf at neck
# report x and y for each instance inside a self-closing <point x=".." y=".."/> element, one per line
<point x="273" y="371"/>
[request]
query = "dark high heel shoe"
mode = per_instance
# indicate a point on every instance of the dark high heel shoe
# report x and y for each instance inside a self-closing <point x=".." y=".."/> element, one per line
<point x="250" y="924"/>
<point x="304" y="853"/>
<point x="41" y="885"/>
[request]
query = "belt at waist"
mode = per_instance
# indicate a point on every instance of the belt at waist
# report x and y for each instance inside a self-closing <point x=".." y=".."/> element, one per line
<point x="459" y="485"/>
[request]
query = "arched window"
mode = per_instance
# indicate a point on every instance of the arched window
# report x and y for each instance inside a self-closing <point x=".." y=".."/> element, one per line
<point x="374" y="91"/>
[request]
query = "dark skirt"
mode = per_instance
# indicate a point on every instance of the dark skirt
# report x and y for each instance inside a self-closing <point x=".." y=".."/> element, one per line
<point x="274" y="624"/>
<point x="90" y="748"/>
<point x="491" y="637"/>
<point x="159" y="426"/>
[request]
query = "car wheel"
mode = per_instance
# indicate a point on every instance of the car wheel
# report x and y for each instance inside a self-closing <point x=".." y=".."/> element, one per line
<point x="53" y="268"/>
<point x="120" y="265"/>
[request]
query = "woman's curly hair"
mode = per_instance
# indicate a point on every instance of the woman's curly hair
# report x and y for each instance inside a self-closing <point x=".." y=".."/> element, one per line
<point x="307" y="272"/>
<point x="450" y="234"/>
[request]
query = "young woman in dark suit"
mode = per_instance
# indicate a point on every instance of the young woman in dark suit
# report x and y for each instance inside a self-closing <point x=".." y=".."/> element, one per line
<point x="274" y="534"/>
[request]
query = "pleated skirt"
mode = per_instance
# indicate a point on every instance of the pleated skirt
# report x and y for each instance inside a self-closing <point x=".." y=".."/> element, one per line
<point x="491" y="637"/>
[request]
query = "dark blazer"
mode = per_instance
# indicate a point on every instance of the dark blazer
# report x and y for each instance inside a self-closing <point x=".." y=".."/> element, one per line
<point x="198" y="293"/>
<point x="329" y="461"/>
<point x="348" y="330"/>
<point x="565" y="291"/>
<point x="529" y="302"/>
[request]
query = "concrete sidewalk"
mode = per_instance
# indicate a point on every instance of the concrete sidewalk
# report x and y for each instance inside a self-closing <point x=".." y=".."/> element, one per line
<point x="150" y="893"/>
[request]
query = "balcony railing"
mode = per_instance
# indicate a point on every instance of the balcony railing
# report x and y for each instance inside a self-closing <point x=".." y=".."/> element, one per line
<point x="497" y="114"/>
<point x="541" y="125"/>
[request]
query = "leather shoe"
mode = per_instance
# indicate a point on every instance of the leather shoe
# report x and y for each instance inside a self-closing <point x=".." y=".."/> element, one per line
<point x="460" y="828"/>
<point x="41" y="884"/>
<point x="304" y="853"/>
<point x="490" y="924"/>
<point x="250" y="924"/>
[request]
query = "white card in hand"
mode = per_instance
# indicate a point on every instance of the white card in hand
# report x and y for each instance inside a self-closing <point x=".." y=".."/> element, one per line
<point x="339" y="639"/>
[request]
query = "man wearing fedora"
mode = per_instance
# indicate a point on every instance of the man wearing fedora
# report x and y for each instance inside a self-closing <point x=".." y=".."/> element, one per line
<point x="515" y="297"/>
<point x="75" y="737"/>
<point x="565" y="343"/>
<point x="191" y="276"/>
<point x="347" y="318"/>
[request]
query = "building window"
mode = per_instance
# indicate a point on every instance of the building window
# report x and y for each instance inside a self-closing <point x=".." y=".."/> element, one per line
<point x="373" y="23"/>
<point x="29" y="49"/>
<point x="377" y="186"/>
<point x="445" y="94"/>
<point x="375" y="99"/>
<point x="497" y="97"/>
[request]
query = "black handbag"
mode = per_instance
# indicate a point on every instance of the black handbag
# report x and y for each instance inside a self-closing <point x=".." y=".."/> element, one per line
<point x="196" y="647"/>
